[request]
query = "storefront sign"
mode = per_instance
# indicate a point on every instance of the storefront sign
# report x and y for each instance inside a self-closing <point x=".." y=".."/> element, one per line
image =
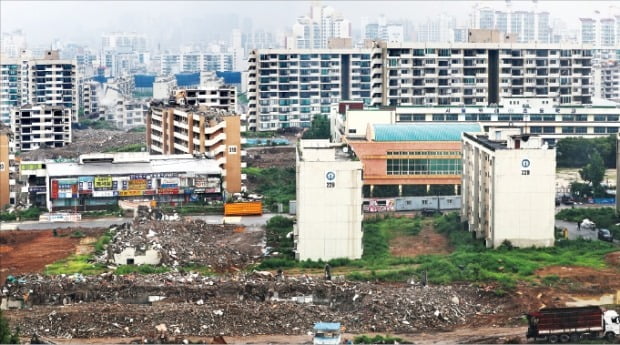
<point x="54" y="189"/>
<point x="169" y="182"/>
<point x="149" y="192"/>
<point x="139" y="184"/>
<point x="103" y="193"/>
<point x="130" y="192"/>
<point x="103" y="182"/>
<point x="168" y="191"/>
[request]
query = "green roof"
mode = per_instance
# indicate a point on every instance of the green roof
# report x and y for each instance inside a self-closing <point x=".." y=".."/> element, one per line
<point x="424" y="131"/>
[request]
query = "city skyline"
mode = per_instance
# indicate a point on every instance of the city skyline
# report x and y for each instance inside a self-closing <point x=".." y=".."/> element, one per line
<point x="198" y="19"/>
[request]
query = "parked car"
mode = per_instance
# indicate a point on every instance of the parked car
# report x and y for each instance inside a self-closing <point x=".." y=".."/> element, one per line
<point x="567" y="200"/>
<point x="429" y="212"/>
<point x="605" y="235"/>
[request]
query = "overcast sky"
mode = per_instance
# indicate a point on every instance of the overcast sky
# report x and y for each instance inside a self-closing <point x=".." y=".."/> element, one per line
<point x="84" y="21"/>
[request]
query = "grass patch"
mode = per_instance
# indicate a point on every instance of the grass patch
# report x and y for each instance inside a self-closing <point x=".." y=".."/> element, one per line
<point x="31" y="213"/>
<point x="82" y="264"/>
<point x="277" y="185"/>
<point x="379" y="339"/>
<point x="127" y="148"/>
<point x="102" y="242"/>
<point x="203" y="270"/>
<point x="193" y="208"/>
<point x="141" y="269"/>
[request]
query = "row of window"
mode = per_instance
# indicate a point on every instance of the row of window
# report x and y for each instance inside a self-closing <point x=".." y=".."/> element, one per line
<point x="508" y="117"/>
<point x="424" y="153"/>
<point x="423" y="166"/>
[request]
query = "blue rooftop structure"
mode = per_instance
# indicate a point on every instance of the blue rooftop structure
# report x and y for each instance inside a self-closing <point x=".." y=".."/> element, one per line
<point x="423" y="131"/>
<point x="188" y="79"/>
<point x="327" y="326"/>
<point x="143" y="80"/>
<point x="230" y="77"/>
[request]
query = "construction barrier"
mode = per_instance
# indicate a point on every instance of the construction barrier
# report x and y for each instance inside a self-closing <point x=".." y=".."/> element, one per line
<point x="252" y="208"/>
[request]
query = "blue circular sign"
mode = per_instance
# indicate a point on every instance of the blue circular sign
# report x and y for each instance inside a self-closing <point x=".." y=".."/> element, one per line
<point x="330" y="176"/>
<point x="525" y="163"/>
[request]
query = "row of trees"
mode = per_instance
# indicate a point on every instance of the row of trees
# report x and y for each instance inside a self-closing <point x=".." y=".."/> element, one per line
<point x="578" y="152"/>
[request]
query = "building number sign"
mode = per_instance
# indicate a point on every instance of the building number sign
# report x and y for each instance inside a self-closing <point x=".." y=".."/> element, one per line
<point x="330" y="179"/>
<point x="525" y="166"/>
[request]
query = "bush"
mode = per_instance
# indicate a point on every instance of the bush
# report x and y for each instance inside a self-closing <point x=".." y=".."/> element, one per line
<point x="75" y="264"/>
<point x="6" y="336"/>
<point x="604" y="217"/>
<point x="379" y="339"/>
<point x="276" y="184"/>
<point x="142" y="269"/>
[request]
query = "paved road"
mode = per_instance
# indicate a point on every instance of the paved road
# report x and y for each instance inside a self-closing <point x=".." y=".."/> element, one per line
<point x="573" y="233"/>
<point x="106" y="222"/>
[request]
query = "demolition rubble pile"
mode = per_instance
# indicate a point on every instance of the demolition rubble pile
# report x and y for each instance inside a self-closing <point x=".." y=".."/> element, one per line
<point x="87" y="141"/>
<point x="109" y="305"/>
<point x="185" y="242"/>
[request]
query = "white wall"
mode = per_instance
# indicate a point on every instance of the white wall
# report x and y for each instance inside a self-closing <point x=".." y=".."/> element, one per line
<point x="329" y="220"/>
<point x="524" y="205"/>
<point x="358" y="120"/>
<point x="150" y="257"/>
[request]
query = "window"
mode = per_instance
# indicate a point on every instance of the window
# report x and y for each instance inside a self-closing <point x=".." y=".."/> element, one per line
<point x="232" y="149"/>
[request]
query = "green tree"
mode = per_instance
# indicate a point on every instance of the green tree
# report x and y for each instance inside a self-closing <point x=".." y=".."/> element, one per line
<point x="319" y="129"/>
<point x="594" y="172"/>
<point x="6" y="337"/>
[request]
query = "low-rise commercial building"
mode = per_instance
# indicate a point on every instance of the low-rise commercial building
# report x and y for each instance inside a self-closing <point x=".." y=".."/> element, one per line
<point x="101" y="180"/>
<point x="412" y="157"/>
<point x="533" y="116"/>
<point x="7" y="167"/>
<point x="176" y="129"/>
<point x="41" y="126"/>
<point x="508" y="188"/>
<point x="329" y="202"/>
<point x="618" y="174"/>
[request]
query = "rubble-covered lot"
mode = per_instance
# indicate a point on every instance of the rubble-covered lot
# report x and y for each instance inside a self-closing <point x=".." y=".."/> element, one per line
<point x="185" y="242"/>
<point x="189" y="304"/>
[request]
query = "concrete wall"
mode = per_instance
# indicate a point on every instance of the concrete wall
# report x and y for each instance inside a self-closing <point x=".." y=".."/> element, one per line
<point x="524" y="207"/>
<point x="329" y="220"/>
<point x="148" y="257"/>
<point x="357" y="121"/>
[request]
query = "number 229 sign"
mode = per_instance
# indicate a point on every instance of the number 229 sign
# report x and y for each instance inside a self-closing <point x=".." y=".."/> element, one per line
<point x="330" y="179"/>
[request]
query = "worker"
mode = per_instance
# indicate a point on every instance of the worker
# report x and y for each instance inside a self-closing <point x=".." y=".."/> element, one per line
<point x="578" y="226"/>
<point x="328" y="274"/>
<point x="565" y="232"/>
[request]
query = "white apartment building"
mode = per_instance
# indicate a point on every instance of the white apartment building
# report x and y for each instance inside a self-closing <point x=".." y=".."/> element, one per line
<point x="329" y="203"/>
<point x="89" y="101"/>
<point x="607" y="80"/>
<point x="602" y="33"/>
<point x="315" y="30"/>
<point x="124" y="42"/>
<point x="47" y="80"/>
<point x="530" y="26"/>
<point x="41" y="126"/>
<point x="129" y="113"/>
<point x="508" y="189"/>
<point x="287" y="88"/>
<point x="196" y="61"/>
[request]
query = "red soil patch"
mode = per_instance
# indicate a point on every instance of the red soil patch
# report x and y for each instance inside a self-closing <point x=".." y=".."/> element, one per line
<point x="426" y="242"/>
<point x="29" y="251"/>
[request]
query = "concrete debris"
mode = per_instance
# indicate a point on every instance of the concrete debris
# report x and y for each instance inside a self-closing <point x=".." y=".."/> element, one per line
<point x="109" y="305"/>
<point x="87" y="141"/>
<point x="182" y="243"/>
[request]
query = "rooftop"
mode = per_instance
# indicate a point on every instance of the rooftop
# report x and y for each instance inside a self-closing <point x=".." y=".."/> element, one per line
<point x="423" y="131"/>
<point x="178" y="165"/>
<point x="327" y="326"/>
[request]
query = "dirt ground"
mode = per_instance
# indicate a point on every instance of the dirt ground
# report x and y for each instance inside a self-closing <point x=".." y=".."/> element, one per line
<point x="482" y="335"/>
<point x="426" y="242"/>
<point x="29" y="251"/>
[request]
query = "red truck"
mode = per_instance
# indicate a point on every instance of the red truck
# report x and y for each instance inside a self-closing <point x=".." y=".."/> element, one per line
<point x="573" y="324"/>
